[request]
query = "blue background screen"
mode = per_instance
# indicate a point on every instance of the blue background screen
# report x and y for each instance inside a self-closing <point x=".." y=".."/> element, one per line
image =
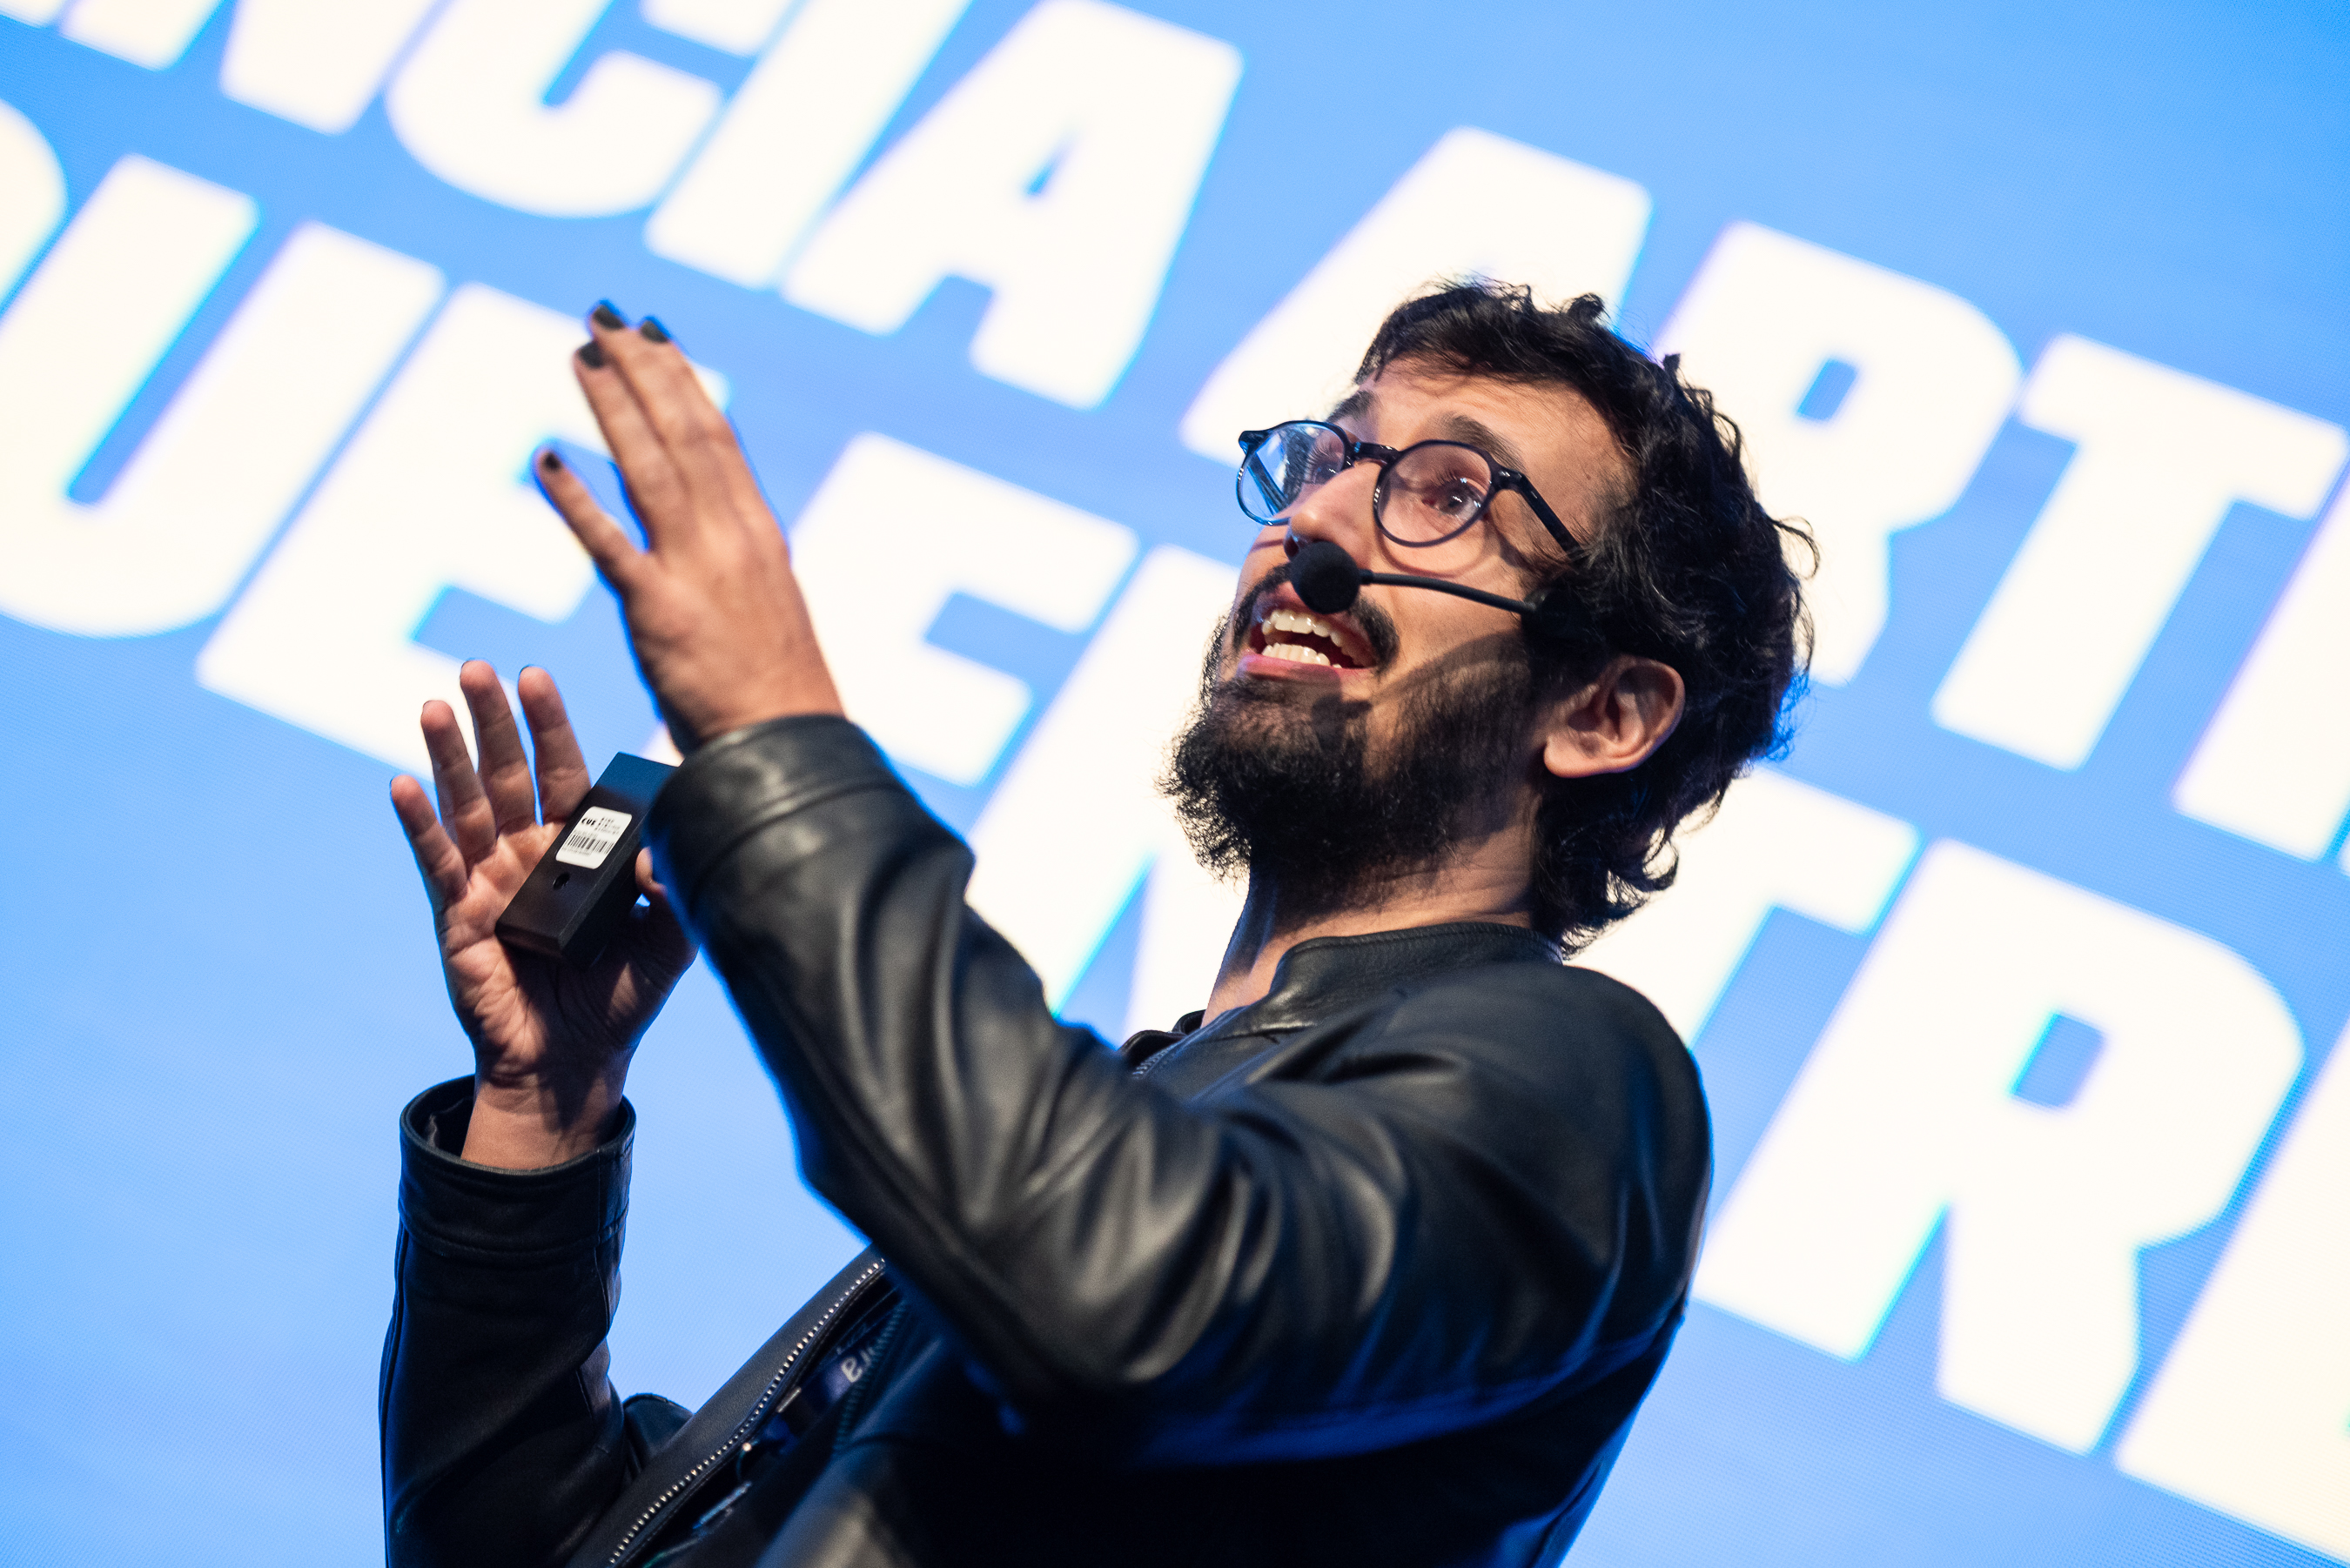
<point x="2016" y="983"/>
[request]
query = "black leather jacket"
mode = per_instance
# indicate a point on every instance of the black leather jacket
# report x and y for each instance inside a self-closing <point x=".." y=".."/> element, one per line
<point x="1372" y="1271"/>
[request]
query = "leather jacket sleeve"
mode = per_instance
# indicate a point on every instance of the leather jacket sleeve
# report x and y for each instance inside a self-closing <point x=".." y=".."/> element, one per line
<point x="501" y="1437"/>
<point x="1487" y="1201"/>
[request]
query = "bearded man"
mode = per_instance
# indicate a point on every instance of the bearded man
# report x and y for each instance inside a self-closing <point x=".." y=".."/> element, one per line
<point x="1369" y="1262"/>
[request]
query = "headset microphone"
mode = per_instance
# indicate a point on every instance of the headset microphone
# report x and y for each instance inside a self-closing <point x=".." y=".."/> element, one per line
<point x="1327" y="579"/>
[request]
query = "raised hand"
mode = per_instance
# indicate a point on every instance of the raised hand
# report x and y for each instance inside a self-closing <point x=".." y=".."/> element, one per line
<point x="713" y="612"/>
<point x="551" y="1043"/>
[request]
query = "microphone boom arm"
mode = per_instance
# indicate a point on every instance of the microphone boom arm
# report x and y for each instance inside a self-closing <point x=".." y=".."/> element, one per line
<point x="1438" y="584"/>
<point x="1327" y="579"/>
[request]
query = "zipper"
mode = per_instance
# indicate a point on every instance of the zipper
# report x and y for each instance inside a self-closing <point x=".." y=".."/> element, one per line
<point x="852" y="1401"/>
<point x="750" y="1423"/>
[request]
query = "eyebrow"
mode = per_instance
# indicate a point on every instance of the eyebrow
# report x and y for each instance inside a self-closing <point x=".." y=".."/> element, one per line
<point x="1476" y="433"/>
<point x="1451" y="426"/>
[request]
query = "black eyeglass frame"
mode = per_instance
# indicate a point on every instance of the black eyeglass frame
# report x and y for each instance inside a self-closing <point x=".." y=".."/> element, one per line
<point x="1387" y="457"/>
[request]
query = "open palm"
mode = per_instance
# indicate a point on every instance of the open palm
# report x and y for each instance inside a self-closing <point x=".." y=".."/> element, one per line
<point x="551" y="1041"/>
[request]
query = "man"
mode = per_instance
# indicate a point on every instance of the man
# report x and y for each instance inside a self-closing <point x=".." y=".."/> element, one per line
<point x="1369" y="1262"/>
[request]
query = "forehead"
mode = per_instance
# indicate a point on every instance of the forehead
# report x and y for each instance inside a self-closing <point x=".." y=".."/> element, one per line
<point x="1406" y="402"/>
<point x="1548" y="431"/>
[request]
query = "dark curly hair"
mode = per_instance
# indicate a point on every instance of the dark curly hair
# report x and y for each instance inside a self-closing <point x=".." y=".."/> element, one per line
<point x="1687" y="569"/>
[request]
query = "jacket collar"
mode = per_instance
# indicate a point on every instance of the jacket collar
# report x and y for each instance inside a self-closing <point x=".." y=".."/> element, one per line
<point x="1329" y="974"/>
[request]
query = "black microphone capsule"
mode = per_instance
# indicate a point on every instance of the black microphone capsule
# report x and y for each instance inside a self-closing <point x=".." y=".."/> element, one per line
<point x="1326" y="577"/>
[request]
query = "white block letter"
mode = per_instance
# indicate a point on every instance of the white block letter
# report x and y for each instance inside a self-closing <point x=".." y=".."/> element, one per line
<point x="151" y="33"/>
<point x="428" y="496"/>
<point x="314" y="62"/>
<point x="32" y="193"/>
<point x="889" y="536"/>
<point x="1905" y="1111"/>
<point x="2162" y="456"/>
<point x="232" y="451"/>
<point x="2251" y="1413"/>
<point x="1766" y="314"/>
<point x="1116" y="113"/>
<point x="470" y="104"/>
<point x="89" y="325"/>
<point x="794" y="133"/>
<point x="2274" y="765"/>
<point x="738" y="26"/>
<point x="1078" y="820"/>
<point x="1775" y="843"/>
<point x="1475" y="203"/>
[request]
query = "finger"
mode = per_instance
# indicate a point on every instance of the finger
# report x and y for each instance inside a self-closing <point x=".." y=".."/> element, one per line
<point x="563" y="776"/>
<point x="437" y="861"/>
<point x="607" y="542"/>
<point x="504" y="769"/>
<point x="646" y="883"/>
<point x="657" y="488"/>
<point x="464" y="809"/>
<point x="697" y="435"/>
<point x="662" y="944"/>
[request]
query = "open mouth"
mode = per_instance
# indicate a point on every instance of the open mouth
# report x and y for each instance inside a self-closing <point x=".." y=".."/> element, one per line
<point x="1298" y="637"/>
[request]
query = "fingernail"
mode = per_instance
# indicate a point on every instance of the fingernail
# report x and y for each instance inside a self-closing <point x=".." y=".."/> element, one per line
<point x="549" y="461"/>
<point x="653" y="331"/>
<point x="592" y="354"/>
<point x="607" y="316"/>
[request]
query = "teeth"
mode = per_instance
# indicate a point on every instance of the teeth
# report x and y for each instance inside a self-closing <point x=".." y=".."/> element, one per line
<point x="1296" y="652"/>
<point x="1297" y="620"/>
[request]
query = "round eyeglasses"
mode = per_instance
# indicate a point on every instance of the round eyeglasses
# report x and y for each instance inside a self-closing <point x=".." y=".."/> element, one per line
<point x="1426" y="493"/>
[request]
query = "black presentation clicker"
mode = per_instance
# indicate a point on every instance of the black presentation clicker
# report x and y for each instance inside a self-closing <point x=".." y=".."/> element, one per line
<point x="584" y="886"/>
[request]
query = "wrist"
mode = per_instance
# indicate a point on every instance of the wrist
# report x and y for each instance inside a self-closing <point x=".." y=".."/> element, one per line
<point x="531" y="1124"/>
<point x="742" y="709"/>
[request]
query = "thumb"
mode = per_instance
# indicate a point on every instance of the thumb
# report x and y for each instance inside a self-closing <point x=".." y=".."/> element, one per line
<point x="665" y="941"/>
<point x="655" y="893"/>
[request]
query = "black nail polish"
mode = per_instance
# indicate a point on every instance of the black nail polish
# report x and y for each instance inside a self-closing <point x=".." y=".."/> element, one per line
<point x="549" y="461"/>
<point x="653" y="331"/>
<point x="592" y="354"/>
<point x="607" y="316"/>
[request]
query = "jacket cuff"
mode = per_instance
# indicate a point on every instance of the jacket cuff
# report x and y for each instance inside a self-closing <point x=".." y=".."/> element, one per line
<point x="736" y="785"/>
<point x="484" y="1214"/>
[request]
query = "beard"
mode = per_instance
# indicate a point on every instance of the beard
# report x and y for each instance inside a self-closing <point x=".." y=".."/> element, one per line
<point x="1284" y="780"/>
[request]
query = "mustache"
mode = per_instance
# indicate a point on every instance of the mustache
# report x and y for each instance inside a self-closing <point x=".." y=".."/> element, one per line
<point x="1378" y="627"/>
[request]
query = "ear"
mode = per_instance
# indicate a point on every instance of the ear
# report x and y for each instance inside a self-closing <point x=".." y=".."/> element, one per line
<point x="1615" y="723"/>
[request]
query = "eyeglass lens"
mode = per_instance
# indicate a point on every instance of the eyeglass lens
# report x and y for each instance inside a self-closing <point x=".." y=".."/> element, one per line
<point x="1427" y="496"/>
<point x="1293" y="460"/>
<point x="1433" y="492"/>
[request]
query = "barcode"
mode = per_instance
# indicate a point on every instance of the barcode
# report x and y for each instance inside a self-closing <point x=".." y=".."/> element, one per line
<point x="591" y="838"/>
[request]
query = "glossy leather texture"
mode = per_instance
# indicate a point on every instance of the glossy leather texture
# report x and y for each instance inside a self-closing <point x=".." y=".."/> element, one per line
<point x="1373" y="1271"/>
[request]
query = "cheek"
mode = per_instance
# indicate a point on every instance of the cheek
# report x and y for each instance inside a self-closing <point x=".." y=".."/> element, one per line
<point x="1264" y="556"/>
<point x="1432" y="628"/>
<point x="1446" y="650"/>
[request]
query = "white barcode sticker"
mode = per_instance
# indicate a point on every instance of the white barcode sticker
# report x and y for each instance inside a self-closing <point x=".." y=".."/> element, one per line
<point x="599" y="828"/>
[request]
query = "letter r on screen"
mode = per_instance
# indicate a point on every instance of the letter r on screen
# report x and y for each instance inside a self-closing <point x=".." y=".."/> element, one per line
<point x="1906" y="1116"/>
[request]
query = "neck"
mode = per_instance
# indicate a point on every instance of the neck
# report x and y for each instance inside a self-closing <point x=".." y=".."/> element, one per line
<point x="1483" y="879"/>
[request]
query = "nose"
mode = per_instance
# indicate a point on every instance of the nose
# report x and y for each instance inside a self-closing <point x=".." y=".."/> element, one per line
<point x="1340" y="512"/>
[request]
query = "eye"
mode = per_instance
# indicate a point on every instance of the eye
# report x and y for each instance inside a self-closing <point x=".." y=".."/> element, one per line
<point x="1457" y="497"/>
<point x="1446" y="480"/>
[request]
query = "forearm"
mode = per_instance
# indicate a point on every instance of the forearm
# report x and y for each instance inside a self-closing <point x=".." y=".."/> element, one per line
<point x="1183" y="1280"/>
<point x="501" y="1437"/>
<point x="831" y="905"/>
